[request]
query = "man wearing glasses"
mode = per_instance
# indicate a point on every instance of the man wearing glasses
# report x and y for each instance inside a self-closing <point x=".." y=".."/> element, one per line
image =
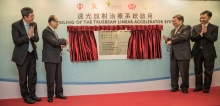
<point x="180" y="53"/>
<point x="52" y="47"/>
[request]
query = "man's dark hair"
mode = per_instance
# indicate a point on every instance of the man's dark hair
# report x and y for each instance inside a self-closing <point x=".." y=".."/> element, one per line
<point x="26" y="11"/>
<point x="209" y="13"/>
<point x="179" y="17"/>
<point x="51" y="18"/>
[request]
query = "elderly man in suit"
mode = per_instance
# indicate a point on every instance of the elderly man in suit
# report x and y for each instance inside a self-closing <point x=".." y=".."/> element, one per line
<point x="52" y="58"/>
<point x="180" y="53"/>
<point x="204" y="35"/>
<point x="24" y="34"/>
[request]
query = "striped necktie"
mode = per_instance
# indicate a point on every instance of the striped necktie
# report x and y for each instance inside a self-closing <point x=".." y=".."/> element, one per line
<point x="56" y="35"/>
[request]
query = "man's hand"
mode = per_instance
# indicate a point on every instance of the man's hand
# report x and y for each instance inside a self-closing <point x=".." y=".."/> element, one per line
<point x="165" y="37"/>
<point x="67" y="41"/>
<point x="204" y="30"/>
<point x="169" y="42"/>
<point x="31" y="32"/>
<point x="63" y="46"/>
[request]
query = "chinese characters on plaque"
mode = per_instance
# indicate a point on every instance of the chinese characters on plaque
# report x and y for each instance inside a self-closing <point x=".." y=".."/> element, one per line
<point x="113" y="42"/>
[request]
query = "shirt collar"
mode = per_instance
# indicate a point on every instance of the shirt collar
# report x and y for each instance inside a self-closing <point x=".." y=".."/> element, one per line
<point x="207" y="24"/>
<point x="179" y="26"/>
<point x="51" y="28"/>
<point x="25" y="24"/>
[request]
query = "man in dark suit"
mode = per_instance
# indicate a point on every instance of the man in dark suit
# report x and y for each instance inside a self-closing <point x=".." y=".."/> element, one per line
<point x="24" y="34"/>
<point x="204" y="35"/>
<point x="180" y="53"/>
<point x="52" y="47"/>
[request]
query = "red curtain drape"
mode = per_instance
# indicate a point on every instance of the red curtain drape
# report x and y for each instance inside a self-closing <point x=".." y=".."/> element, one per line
<point x="83" y="45"/>
<point x="144" y="43"/>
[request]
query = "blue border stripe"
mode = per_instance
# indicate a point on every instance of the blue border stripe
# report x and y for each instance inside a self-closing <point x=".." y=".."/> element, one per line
<point x="98" y="83"/>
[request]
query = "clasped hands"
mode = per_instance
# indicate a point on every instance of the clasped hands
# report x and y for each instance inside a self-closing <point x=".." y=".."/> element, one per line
<point x="31" y="31"/>
<point x="204" y="30"/>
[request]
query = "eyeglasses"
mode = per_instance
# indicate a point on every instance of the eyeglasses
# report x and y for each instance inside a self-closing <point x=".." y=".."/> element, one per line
<point x="55" y="21"/>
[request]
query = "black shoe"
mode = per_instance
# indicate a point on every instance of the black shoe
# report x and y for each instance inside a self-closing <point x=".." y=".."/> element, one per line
<point x="35" y="98"/>
<point x="174" y="90"/>
<point x="29" y="101"/>
<point x="206" y="91"/>
<point x="184" y="90"/>
<point x="197" y="89"/>
<point x="50" y="99"/>
<point x="61" y="97"/>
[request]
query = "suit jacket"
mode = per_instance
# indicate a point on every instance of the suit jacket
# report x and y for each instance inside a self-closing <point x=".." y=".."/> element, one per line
<point x="180" y="46"/>
<point x="21" y="41"/>
<point x="51" y="46"/>
<point x="206" y="42"/>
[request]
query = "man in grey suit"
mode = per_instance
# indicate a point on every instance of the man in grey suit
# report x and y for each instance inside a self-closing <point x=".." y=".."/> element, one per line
<point x="204" y="35"/>
<point x="180" y="53"/>
<point x="24" y="34"/>
<point x="52" y="47"/>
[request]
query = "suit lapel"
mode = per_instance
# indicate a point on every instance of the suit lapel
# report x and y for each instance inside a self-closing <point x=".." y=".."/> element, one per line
<point x="22" y="27"/>
<point x="209" y="27"/>
<point x="51" y="31"/>
<point x="200" y="28"/>
<point x="172" y="33"/>
<point x="178" y="31"/>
